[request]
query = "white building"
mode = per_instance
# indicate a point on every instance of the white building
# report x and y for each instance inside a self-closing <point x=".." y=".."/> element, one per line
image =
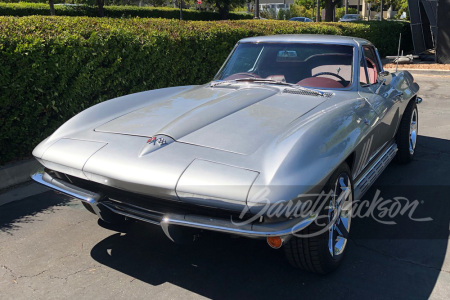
<point x="363" y="7"/>
<point x="274" y="4"/>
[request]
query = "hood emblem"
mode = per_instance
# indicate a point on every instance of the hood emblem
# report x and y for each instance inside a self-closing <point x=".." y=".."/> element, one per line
<point x="154" y="140"/>
<point x="154" y="143"/>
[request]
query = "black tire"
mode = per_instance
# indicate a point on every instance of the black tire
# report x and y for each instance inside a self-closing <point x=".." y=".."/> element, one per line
<point x="311" y="253"/>
<point x="406" y="151"/>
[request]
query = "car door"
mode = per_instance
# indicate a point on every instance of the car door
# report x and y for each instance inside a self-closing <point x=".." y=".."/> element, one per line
<point x="379" y="96"/>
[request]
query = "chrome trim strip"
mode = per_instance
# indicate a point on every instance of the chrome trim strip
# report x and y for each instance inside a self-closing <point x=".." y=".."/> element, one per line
<point x="258" y="230"/>
<point x="45" y="179"/>
<point x="374" y="171"/>
<point x="148" y="220"/>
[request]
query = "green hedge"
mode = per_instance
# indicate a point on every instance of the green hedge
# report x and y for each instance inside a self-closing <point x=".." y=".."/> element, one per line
<point x="41" y="9"/>
<point x="54" y="67"/>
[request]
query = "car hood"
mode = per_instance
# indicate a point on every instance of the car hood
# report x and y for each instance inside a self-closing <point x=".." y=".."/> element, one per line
<point x="235" y="120"/>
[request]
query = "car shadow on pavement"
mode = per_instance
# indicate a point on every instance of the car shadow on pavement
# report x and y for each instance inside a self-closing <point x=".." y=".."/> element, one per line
<point x="398" y="261"/>
<point x="14" y="213"/>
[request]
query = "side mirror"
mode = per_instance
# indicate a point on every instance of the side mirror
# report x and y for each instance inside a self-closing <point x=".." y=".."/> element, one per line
<point x="385" y="77"/>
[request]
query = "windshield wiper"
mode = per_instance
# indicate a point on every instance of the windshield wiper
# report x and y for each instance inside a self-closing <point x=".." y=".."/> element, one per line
<point x="263" y="80"/>
<point x="250" y="79"/>
<point x="272" y="81"/>
<point x="213" y="84"/>
<point x="292" y="85"/>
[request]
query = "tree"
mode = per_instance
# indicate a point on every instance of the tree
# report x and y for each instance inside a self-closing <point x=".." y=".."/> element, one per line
<point x="100" y="4"/>
<point x="305" y="3"/>
<point x="300" y="11"/>
<point x="329" y="7"/>
<point x="402" y="7"/>
<point x="224" y="6"/>
<point x="52" y="7"/>
<point x="101" y="11"/>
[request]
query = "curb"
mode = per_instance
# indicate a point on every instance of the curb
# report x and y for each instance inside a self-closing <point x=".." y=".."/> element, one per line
<point x="17" y="173"/>
<point x="21" y="192"/>
<point x="423" y="71"/>
<point x="15" y="181"/>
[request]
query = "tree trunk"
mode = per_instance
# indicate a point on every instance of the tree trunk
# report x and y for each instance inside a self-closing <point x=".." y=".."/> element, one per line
<point x="318" y="12"/>
<point x="223" y="11"/>
<point x="52" y="7"/>
<point x="381" y="10"/>
<point x="101" y="11"/>
<point x="329" y="8"/>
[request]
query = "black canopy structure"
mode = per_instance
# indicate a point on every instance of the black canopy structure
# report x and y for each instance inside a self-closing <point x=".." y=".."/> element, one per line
<point x="430" y="26"/>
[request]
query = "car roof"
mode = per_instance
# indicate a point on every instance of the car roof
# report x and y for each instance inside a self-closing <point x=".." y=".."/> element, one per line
<point x="307" y="38"/>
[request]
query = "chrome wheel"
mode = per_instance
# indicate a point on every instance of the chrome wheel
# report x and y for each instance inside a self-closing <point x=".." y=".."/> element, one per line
<point x="413" y="132"/>
<point x="340" y="215"/>
<point x="321" y="248"/>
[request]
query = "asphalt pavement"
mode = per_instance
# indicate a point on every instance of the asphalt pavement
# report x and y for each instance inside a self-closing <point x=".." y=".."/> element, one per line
<point x="52" y="248"/>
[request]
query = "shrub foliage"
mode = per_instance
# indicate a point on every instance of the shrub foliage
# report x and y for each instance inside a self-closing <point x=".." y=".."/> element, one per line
<point x="54" y="67"/>
<point x="41" y="9"/>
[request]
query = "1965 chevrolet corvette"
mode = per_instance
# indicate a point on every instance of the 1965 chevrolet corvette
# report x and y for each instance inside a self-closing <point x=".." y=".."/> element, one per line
<point x="291" y="130"/>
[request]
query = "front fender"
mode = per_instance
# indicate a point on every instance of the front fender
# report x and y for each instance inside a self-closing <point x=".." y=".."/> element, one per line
<point x="300" y="161"/>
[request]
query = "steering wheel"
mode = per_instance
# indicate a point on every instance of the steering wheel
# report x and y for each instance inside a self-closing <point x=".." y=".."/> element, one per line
<point x="329" y="73"/>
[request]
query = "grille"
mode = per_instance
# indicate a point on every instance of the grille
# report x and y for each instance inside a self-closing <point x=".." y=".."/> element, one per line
<point x="142" y="204"/>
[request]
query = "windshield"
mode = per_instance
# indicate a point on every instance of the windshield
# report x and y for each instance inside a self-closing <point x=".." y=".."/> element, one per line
<point x="309" y="65"/>
<point x="351" y="17"/>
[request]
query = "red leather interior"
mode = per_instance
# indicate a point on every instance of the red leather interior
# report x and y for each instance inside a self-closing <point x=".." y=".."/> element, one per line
<point x="371" y="70"/>
<point x="320" y="82"/>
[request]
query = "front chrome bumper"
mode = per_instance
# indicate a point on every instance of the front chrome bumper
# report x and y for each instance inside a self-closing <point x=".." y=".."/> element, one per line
<point x="107" y="211"/>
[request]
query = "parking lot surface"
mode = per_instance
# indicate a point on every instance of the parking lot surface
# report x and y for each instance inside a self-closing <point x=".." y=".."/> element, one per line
<point x="52" y="248"/>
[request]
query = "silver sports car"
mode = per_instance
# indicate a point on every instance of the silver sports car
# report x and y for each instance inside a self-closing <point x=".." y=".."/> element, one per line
<point x="292" y="129"/>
